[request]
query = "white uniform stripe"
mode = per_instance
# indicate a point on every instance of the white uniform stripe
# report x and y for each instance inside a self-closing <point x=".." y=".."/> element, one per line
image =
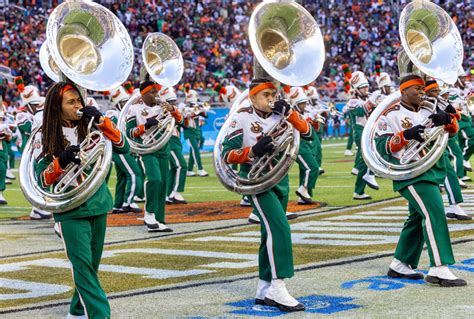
<point x="429" y="227"/>
<point x="269" y="237"/>
<point x="178" y="171"/>
<point x="307" y="171"/>
<point x="144" y="184"/>
<point x="72" y="269"/>
<point x="466" y="142"/>
<point x="133" y="178"/>
<point x="449" y="190"/>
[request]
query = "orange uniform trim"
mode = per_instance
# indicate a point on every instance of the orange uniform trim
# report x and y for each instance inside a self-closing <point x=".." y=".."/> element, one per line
<point x="453" y="127"/>
<point x="315" y="124"/>
<point x="261" y="87"/>
<point x="411" y="83"/>
<point x="52" y="173"/>
<point x="238" y="156"/>
<point x="298" y="122"/>
<point x="397" y="142"/>
<point x="139" y="130"/>
<point x="177" y="115"/>
<point x="110" y="131"/>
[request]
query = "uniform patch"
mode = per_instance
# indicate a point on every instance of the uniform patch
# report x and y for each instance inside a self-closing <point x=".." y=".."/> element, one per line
<point x="37" y="144"/>
<point x="382" y="126"/>
<point x="406" y="123"/>
<point x="256" y="127"/>
<point x="144" y="112"/>
<point x="396" y="139"/>
<point x="233" y="124"/>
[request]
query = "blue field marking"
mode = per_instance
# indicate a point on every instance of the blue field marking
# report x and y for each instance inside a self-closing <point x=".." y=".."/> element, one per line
<point x="469" y="268"/>
<point x="314" y="304"/>
<point x="381" y="283"/>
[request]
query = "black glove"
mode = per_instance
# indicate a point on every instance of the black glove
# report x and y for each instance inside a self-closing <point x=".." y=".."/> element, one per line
<point x="90" y="112"/>
<point x="69" y="155"/>
<point x="263" y="146"/>
<point x="150" y="123"/>
<point x="281" y="107"/>
<point x="414" y="133"/>
<point x="440" y="118"/>
<point x="450" y="109"/>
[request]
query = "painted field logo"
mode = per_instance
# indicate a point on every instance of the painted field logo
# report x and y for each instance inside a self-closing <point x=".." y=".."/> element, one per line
<point x="314" y="304"/>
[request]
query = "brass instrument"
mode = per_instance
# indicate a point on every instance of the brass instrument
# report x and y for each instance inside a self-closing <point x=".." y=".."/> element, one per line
<point x="163" y="63"/>
<point x="432" y="46"/>
<point x="288" y="44"/>
<point x="81" y="38"/>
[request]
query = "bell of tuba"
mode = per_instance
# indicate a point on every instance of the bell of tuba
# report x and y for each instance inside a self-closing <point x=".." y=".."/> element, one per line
<point x="81" y="38"/>
<point x="288" y="45"/>
<point x="163" y="63"/>
<point x="47" y="63"/>
<point x="429" y="39"/>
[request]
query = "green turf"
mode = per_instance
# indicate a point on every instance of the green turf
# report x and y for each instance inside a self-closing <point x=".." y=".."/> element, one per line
<point x="335" y="187"/>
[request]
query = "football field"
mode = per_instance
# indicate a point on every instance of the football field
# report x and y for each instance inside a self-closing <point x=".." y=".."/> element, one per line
<point x="208" y="269"/>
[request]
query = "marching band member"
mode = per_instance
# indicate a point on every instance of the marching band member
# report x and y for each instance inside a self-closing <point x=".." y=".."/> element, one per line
<point x="451" y="181"/>
<point x="192" y="133"/>
<point x="156" y="164"/>
<point x="27" y="120"/>
<point x="83" y="228"/>
<point x="178" y="166"/>
<point x="466" y="130"/>
<point x="245" y="141"/>
<point x="308" y="165"/>
<point x="384" y="84"/>
<point x="228" y="93"/>
<point x="313" y="97"/>
<point x="426" y="221"/>
<point x="5" y="138"/>
<point x="359" y="110"/>
<point x="129" y="176"/>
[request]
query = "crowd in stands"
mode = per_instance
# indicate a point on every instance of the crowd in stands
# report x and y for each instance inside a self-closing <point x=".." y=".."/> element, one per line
<point x="212" y="36"/>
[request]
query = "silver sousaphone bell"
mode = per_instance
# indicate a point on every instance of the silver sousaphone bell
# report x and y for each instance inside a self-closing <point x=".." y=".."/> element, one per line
<point x="90" y="47"/>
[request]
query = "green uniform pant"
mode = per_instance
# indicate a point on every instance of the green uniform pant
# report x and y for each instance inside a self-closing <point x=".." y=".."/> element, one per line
<point x="156" y="174"/>
<point x="318" y="148"/>
<point x="3" y="169"/>
<point x="11" y="156"/>
<point x="194" y="153"/>
<point x="350" y="138"/>
<point x="466" y="141"/>
<point x="359" y="163"/>
<point x="426" y="223"/>
<point x="83" y="240"/>
<point x="456" y="153"/>
<point x="275" y="258"/>
<point x="451" y="182"/>
<point x="129" y="179"/>
<point x="309" y="170"/>
<point x="141" y="190"/>
<point x="177" y="175"/>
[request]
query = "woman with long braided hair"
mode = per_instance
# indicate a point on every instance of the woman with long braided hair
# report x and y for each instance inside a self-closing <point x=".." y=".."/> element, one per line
<point x="82" y="229"/>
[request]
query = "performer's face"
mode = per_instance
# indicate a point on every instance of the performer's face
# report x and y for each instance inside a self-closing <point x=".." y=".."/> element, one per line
<point x="302" y="107"/>
<point x="151" y="97"/>
<point x="413" y="95"/>
<point x="71" y="103"/>
<point x="386" y="89"/>
<point x="364" y="92"/>
<point x="261" y="101"/>
<point x="433" y="93"/>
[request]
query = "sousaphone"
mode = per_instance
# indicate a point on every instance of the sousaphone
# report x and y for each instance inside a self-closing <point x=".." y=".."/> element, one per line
<point x="289" y="47"/>
<point x="432" y="46"/>
<point x="91" y="48"/>
<point x="162" y="63"/>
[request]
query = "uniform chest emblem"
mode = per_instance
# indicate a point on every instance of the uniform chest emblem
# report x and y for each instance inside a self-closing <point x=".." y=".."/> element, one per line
<point x="256" y="127"/>
<point x="144" y="112"/>
<point x="406" y="123"/>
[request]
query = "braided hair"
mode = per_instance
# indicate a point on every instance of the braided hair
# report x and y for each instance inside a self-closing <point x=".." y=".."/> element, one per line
<point x="53" y="141"/>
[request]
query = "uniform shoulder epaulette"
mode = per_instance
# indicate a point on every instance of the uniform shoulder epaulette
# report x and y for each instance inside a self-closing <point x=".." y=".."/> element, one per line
<point x="245" y="110"/>
<point x="391" y="108"/>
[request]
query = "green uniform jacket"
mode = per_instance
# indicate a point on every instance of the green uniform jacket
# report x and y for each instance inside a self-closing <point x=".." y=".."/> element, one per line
<point x="100" y="203"/>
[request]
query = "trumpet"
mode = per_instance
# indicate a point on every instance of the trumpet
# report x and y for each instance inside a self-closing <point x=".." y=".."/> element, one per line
<point x="199" y="107"/>
<point x="330" y="107"/>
